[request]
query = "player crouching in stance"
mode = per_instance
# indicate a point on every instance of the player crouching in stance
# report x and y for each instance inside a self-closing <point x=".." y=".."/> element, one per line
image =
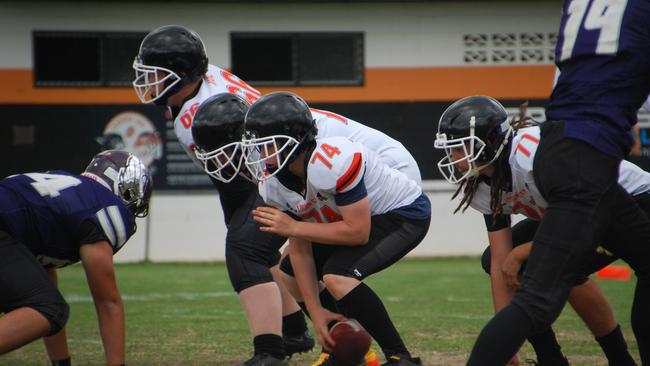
<point x="50" y="220"/>
<point x="492" y="160"/>
<point x="347" y="215"/>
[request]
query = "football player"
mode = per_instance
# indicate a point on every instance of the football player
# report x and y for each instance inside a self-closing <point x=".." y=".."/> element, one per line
<point x="500" y="183"/>
<point x="172" y="70"/>
<point x="346" y="213"/>
<point x="218" y="128"/>
<point x="604" y="59"/>
<point x="51" y="220"/>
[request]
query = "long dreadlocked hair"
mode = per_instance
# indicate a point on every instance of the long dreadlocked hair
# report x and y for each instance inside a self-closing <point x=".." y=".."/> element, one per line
<point x="469" y="186"/>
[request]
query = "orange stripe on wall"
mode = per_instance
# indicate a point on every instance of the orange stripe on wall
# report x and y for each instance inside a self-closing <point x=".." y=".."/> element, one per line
<point x="381" y="85"/>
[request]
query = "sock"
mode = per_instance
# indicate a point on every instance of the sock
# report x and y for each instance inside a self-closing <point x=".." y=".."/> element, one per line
<point x="547" y="349"/>
<point x="294" y="324"/>
<point x="615" y="348"/>
<point x="365" y="306"/>
<point x="501" y="337"/>
<point x="269" y="343"/>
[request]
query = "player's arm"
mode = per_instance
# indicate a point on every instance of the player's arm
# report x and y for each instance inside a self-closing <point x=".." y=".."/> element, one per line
<point x="352" y="229"/>
<point x="500" y="238"/>
<point x="513" y="262"/>
<point x="97" y="259"/>
<point x="57" y="345"/>
<point x="302" y="261"/>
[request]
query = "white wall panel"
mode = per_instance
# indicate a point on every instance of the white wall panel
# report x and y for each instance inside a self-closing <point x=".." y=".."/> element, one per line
<point x="190" y="227"/>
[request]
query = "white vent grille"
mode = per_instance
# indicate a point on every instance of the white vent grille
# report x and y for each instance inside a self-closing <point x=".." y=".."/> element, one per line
<point x="509" y="48"/>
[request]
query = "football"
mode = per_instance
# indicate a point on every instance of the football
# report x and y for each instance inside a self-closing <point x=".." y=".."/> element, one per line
<point x="352" y="341"/>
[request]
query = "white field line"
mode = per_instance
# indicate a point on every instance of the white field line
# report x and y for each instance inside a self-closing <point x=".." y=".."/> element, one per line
<point x="154" y="296"/>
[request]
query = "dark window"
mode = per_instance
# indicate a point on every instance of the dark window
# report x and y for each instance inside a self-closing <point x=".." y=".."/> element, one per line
<point x="67" y="59"/>
<point x="266" y="59"/>
<point x="309" y="58"/>
<point x="84" y="58"/>
<point x="330" y="59"/>
<point x="119" y="51"/>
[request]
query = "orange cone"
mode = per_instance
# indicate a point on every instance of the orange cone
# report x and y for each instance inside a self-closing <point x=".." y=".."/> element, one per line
<point x="613" y="272"/>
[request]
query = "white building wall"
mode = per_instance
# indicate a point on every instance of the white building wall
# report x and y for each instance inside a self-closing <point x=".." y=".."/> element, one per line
<point x="190" y="227"/>
<point x="396" y="35"/>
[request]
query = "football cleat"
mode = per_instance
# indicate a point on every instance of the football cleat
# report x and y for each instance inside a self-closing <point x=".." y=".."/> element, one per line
<point x="324" y="359"/>
<point x="371" y="359"/>
<point x="264" y="359"/>
<point x="402" y="360"/>
<point x="531" y="362"/>
<point x="298" y="343"/>
<point x="321" y="359"/>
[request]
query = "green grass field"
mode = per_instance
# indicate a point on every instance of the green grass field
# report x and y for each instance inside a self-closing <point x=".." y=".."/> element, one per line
<point x="187" y="314"/>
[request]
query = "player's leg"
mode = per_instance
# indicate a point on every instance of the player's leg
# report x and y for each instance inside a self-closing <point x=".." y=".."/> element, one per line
<point x="629" y="239"/>
<point x="32" y="305"/>
<point x="296" y="336"/>
<point x="580" y="185"/>
<point x="547" y="349"/>
<point x="249" y="256"/>
<point x="391" y="237"/>
<point x="589" y="302"/>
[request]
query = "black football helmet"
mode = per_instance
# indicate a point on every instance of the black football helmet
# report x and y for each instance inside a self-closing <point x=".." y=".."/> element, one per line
<point x="477" y="124"/>
<point x="279" y="126"/>
<point x="126" y="176"/>
<point x="217" y="129"/>
<point x="170" y="57"/>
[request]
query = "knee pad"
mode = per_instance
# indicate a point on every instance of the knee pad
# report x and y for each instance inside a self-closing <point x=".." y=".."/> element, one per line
<point x="247" y="269"/>
<point x="486" y="259"/>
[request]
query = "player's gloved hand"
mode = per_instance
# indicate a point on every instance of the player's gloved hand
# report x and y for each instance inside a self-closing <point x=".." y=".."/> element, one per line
<point x="321" y="318"/>
<point x="510" y="270"/>
<point x="274" y="221"/>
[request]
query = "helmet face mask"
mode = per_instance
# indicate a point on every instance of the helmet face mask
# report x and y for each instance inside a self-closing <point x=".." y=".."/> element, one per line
<point x="266" y="156"/>
<point x="217" y="131"/>
<point x="453" y="169"/>
<point x="152" y="82"/>
<point x="223" y="163"/>
<point x="126" y="176"/>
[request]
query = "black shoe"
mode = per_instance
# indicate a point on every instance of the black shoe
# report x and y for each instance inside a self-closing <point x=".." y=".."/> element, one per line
<point x="530" y="362"/>
<point x="264" y="359"/>
<point x="402" y="360"/>
<point x="298" y="343"/>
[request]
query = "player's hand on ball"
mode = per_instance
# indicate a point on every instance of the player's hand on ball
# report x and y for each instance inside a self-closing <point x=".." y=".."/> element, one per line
<point x="274" y="221"/>
<point x="321" y="318"/>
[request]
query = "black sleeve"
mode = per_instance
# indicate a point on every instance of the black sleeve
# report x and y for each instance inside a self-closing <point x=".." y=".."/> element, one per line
<point x="496" y="223"/>
<point x="90" y="233"/>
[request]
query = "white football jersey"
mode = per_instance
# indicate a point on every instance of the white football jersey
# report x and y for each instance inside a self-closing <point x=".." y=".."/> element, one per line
<point x="215" y="81"/>
<point x="337" y="165"/>
<point x="390" y="151"/>
<point x="525" y="198"/>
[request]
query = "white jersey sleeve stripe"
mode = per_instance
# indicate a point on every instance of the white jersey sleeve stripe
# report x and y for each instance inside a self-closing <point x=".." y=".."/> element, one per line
<point x="106" y="225"/>
<point x="350" y="176"/>
<point x="118" y="225"/>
